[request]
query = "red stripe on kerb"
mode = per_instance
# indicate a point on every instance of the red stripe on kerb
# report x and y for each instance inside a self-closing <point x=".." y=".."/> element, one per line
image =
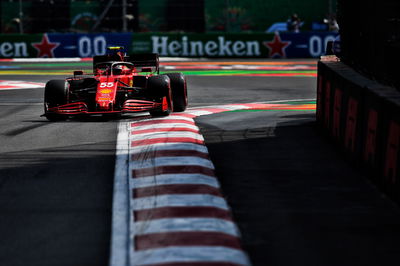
<point x="165" y="140"/>
<point x="160" y="240"/>
<point x="195" y="264"/>
<point x="181" y="212"/>
<point x="175" y="189"/>
<point x="171" y="129"/>
<point x="178" y="169"/>
<point x="169" y="153"/>
<point x="186" y="115"/>
<point x="166" y="121"/>
<point x="8" y="87"/>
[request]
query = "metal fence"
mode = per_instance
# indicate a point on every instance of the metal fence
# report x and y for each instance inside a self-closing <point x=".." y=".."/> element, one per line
<point x="370" y="37"/>
<point x="36" y="16"/>
<point x="20" y="16"/>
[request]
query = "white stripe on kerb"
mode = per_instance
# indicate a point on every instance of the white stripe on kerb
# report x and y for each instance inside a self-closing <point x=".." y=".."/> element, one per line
<point x="177" y="200"/>
<point x="228" y="107"/>
<point x="168" y="225"/>
<point x="199" y="112"/>
<point x="189" y="254"/>
<point x="178" y="179"/>
<point x="163" y="126"/>
<point x="235" y="107"/>
<point x="168" y="161"/>
<point x="169" y="146"/>
<point x="166" y="135"/>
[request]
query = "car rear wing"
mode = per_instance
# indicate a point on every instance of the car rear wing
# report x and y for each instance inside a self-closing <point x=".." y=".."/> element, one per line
<point x="145" y="61"/>
<point x="104" y="58"/>
<point x="114" y="53"/>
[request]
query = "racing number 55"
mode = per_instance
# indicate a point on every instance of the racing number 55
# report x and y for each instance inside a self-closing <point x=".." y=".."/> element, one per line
<point x="106" y="84"/>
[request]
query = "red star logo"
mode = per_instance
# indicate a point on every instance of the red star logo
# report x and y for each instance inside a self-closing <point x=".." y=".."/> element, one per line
<point x="277" y="47"/>
<point x="45" y="48"/>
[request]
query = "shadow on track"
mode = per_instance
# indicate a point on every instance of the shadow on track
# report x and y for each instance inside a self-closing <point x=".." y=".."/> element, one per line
<point x="55" y="205"/>
<point x="296" y="200"/>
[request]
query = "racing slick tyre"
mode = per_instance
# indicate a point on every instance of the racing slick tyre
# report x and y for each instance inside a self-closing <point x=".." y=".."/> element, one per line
<point x="179" y="91"/>
<point x="159" y="87"/>
<point x="55" y="93"/>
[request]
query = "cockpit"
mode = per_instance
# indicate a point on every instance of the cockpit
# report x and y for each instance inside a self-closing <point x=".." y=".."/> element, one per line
<point x="114" y="68"/>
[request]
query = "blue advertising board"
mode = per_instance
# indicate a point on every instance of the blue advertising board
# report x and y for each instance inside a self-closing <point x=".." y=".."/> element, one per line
<point x="307" y="44"/>
<point x="87" y="45"/>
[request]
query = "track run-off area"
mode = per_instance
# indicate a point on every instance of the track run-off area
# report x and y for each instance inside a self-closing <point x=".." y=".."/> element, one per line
<point x="242" y="177"/>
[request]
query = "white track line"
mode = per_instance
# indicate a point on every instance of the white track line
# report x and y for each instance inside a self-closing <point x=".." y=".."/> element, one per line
<point x="120" y="210"/>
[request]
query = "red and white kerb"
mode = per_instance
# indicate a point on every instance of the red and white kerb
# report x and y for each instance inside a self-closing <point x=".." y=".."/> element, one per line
<point x="177" y="212"/>
<point x="16" y="85"/>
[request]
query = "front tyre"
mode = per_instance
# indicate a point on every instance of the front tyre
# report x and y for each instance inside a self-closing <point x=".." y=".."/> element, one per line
<point x="160" y="89"/>
<point x="55" y="93"/>
<point x="179" y="91"/>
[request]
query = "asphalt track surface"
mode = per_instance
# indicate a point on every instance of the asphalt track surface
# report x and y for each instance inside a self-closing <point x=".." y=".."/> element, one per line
<point x="293" y="196"/>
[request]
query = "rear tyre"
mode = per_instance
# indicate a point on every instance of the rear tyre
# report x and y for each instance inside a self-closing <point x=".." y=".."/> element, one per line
<point x="55" y="93"/>
<point x="159" y="87"/>
<point x="179" y="91"/>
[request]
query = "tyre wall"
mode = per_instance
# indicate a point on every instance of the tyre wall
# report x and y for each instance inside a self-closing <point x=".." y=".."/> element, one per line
<point x="362" y="117"/>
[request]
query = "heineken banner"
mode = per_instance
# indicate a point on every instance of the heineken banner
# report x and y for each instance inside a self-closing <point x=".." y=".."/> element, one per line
<point x="18" y="45"/>
<point x="283" y="45"/>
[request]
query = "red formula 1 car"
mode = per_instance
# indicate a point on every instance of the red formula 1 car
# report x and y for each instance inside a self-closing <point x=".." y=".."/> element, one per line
<point x="119" y="84"/>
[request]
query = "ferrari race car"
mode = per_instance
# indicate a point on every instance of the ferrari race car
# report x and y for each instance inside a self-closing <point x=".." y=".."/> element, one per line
<point x="119" y="84"/>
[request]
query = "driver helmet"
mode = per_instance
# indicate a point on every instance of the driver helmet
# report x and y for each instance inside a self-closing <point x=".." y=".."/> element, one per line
<point x="118" y="69"/>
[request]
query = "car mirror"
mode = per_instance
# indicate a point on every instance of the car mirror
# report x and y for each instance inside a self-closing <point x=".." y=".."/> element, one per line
<point x="78" y="72"/>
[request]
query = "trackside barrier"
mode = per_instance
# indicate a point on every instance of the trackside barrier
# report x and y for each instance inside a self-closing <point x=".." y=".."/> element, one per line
<point x="362" y="117"/>
<point x="391" y="145"/>
<point x="324" y="93"/>
<point x="375" y="135"/>
<point x="352" y="102"/>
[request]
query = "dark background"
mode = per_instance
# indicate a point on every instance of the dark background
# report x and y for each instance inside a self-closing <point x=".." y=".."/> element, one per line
<point x="370" y="38"/>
